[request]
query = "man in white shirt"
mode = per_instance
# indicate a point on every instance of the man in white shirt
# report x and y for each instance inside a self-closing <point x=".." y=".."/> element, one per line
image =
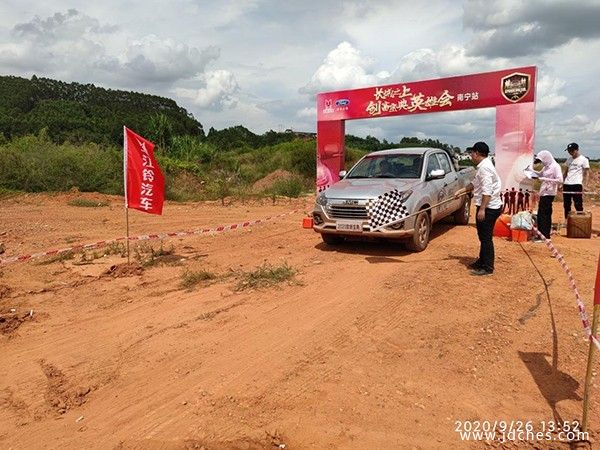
<point x="576" y="171"/>
<point x="486" y="195"/>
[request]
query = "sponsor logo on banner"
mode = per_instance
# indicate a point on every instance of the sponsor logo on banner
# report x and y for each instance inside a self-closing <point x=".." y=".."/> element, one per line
<point x="339" y="105"/>
<point x="328" y="106"/>
<point x="515" y="86"/>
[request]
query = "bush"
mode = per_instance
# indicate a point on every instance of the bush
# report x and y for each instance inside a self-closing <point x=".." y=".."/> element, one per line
<point x="190" y="278"/>
<point x="34" y="164"/>
<point x="266" y="275"/>
<point x="288" y="187"/>
<point x="304" y="159"/>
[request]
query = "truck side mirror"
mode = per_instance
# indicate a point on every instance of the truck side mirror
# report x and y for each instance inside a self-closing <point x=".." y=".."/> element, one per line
<point x="436" y="174"/>
<point x="342" y="173"/>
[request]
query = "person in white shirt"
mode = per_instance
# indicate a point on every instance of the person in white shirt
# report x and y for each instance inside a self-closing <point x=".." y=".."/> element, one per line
<point x="486" y="195"/>
<point x="551" y="177"/>
<point x="577" y="168"/>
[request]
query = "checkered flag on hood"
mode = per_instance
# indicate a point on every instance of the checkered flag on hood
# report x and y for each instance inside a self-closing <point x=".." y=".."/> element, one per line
<point x="386" y="209"/>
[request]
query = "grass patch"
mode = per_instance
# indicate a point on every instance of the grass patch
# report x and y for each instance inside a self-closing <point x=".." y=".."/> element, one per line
<point x="266" y="275"/>
<point x="146" y="255"/>
<point x="55" y="258"/>
<point x="84" y="203"/>
<point x="116" y="248"/>
<point x="191" y="278"/>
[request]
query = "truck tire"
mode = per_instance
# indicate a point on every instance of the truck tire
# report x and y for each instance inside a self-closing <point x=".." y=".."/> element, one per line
<point x="461" y="216"/>
<point x="419" y="240"/>
<point x="331" y="239"/>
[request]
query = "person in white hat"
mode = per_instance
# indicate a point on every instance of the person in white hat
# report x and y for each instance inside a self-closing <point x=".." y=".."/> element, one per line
<point x="551" y="177"/>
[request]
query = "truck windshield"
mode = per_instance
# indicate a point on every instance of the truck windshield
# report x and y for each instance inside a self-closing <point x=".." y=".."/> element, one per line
<point x="388" y="166"/>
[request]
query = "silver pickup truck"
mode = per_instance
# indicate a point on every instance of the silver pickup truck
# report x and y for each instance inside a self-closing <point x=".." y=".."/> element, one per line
<point x="419" y="177"/>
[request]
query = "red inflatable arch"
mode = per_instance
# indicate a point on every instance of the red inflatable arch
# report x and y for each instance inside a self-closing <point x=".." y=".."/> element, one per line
<point x="510" y="91"/>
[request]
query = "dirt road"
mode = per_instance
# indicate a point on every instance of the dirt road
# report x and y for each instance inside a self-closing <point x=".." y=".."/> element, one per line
<point x="367" y="346"/>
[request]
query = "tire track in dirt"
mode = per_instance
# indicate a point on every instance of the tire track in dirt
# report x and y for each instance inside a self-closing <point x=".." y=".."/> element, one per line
<point x="253" y="368"/>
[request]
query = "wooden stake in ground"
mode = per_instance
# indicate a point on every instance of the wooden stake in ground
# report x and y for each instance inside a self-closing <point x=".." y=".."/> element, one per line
<point x="591" y="352"/>
<point x="125" y="186"/>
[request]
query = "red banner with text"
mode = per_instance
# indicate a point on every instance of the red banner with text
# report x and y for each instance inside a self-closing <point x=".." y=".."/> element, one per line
<point x="144" y="182"/>
<point x="482" y="90"/>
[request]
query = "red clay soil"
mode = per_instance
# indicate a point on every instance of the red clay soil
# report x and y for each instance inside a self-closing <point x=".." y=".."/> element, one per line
<point x="369" y="346"/>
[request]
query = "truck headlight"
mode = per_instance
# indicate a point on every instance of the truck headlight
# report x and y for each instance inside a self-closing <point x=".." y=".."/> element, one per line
<point x="322" y="199"/>
<point x="404" y="195"/>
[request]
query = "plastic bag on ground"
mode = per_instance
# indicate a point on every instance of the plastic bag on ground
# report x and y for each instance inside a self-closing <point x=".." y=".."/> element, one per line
<point x="521" y="221"/>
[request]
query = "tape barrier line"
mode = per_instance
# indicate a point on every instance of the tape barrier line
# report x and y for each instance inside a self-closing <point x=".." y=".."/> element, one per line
<point x="580" y="306"/>
<point x="145" y="237"/>
<point x="580" y="193"/>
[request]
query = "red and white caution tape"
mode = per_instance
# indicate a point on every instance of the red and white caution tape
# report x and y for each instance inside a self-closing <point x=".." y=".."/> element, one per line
<point x="580" y="306"/>
<point x="144" y="237"/>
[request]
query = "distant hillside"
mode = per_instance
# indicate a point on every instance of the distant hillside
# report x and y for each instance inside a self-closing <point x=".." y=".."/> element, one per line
<point x="239" y="136"/>
<point x="74" y="112"/>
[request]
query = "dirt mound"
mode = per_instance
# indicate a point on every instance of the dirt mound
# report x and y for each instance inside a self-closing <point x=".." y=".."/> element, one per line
<point x="124" y="270"/>
<point x="60" y="396"/>
<point x="267" y="182"/>
<point x="11" y="320"/>
<point x="4" y="290"/>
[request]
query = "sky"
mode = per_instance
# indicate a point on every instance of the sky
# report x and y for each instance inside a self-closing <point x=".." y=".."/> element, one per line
<point x="260" y="64"/>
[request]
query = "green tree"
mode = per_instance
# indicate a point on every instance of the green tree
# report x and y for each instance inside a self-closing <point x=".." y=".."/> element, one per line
<point x="161" y="131"/>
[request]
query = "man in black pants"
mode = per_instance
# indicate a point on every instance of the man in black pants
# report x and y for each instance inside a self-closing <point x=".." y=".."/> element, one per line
<point x="577" y="168"/>
<point x="486" y="195"/>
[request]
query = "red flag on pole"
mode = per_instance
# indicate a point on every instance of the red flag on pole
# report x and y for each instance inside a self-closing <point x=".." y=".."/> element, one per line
<point x="144" y="182"/>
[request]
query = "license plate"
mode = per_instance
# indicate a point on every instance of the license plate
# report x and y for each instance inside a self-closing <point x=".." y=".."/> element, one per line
<point x="349" y="226"/>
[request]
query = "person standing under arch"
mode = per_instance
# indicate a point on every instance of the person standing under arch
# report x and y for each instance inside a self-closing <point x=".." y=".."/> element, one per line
<point x="513" y="201"/>
<point x="520" y="202"/>
<point x="506" y="207"/>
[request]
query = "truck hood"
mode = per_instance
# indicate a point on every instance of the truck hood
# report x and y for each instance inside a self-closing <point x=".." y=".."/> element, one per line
<point x="360" y="188"/>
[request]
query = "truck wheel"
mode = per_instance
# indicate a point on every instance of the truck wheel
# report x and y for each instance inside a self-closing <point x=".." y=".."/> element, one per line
<point x="331" y="239"/>
<point x="420" y="238"/>
<point x="461" y="216"/>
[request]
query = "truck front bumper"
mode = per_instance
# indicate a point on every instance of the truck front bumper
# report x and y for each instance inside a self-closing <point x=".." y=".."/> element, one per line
<point x="358" y="227"/>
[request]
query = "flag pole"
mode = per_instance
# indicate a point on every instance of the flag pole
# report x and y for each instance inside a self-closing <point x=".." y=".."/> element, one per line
<point x="591" y="351"/>
<point x="125" y="153"/>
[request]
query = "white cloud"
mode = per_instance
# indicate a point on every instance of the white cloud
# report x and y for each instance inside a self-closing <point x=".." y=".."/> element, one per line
<point x="218" y="92"/>
<point x="549" y="95"/>
<point x="308" y="112"/>
<point x="344" y="68"/>
<point x="512" y="28"/>
<point x="74" y="46"/>
<point x="448" y="60"/>
<point x="153" y="59"/>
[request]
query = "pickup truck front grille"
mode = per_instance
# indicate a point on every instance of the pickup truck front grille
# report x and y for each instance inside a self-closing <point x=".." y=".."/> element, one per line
<point x="347" y="212"/>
